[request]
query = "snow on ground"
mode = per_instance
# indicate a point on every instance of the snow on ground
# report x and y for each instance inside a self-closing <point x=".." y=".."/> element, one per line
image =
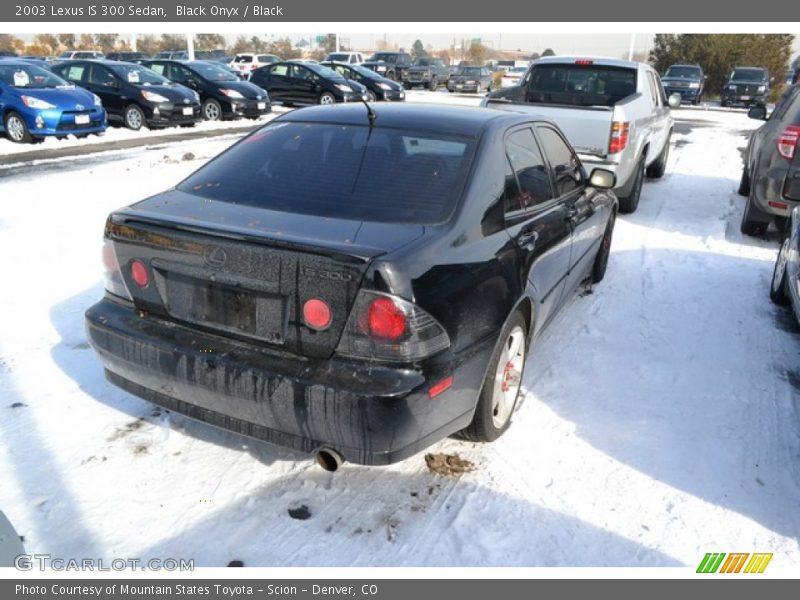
<point x="660" y="420"/>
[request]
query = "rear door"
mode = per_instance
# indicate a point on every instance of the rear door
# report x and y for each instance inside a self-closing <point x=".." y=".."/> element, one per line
<point x="303" y="84"/>
<point x="536" y="220"/>
<point x="585" y="218"/>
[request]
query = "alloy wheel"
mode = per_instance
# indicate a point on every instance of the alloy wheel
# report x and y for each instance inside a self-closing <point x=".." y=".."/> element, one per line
<point x="508" y="377"/>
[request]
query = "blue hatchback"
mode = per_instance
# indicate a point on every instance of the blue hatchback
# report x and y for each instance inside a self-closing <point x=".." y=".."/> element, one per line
<point x="35" y="103"/>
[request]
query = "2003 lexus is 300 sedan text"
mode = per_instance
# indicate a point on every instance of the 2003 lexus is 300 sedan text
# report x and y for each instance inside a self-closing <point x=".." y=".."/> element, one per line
<point x="372" y="286"/>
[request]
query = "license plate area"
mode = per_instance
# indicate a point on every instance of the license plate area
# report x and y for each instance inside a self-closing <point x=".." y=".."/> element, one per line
<point x="227" y="308"/>
<point x="188" y="111"/>
<point x="262" y="105"/>
<point x="81" y="119"/>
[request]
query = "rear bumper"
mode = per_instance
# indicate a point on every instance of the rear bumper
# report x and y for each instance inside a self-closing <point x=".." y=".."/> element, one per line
<point x="773" y="193"/>
<point x="370" y="413"/>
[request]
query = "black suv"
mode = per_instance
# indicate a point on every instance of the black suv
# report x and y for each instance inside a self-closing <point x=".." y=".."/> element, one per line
<point x="222" y="93"/>
<point x="427" y="72"/>
<point x="392" y="65"/>
<point x="747" y="86"/>
<point x="688" y="81"/>
<point x="133" y="94"/>
<point x="771" y="175"/>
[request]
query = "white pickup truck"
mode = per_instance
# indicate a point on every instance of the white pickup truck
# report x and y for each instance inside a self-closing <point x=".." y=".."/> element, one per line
<point x="614" y="113"/>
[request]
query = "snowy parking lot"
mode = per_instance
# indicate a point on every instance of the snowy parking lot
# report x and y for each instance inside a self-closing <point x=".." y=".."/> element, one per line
<point x="660" y="421"/>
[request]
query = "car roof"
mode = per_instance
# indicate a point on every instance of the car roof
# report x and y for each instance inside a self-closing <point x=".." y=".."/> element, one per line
<point x="602" y="61"/>
<point x="443" y="119"/>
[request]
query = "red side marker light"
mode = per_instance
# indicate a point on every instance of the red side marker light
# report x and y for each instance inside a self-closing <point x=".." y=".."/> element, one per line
<point x="440" y="387"/>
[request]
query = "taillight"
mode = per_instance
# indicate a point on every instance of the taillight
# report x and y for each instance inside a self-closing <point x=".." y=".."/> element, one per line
<point x="386" y="319"/>
<point x="619" y="136"/>
<point x="114" y="283"/>
<point x="139" y="273"/>
<point x="787" y="143"/>
<point x="385" y="327"/>
<point x="317" y="314"/>
<point x="584" y="61"/>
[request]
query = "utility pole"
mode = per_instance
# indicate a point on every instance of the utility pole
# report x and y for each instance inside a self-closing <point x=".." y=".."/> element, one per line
<point x="190" y="45"/>
<point x="133" y="42"/>
<point x="630" y="50"/>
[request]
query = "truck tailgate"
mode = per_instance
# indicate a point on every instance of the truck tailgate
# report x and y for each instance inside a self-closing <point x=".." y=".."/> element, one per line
<point x="587" y="127"/>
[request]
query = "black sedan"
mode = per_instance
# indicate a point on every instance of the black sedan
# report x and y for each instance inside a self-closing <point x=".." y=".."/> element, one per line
<point x="372" y="286"/>
<point x="378" y="87"/>
<point x="304" y="83"/>
<point x="133" y="94"/>
<point x="771" y="174"/>
<point x="223" y="94"/>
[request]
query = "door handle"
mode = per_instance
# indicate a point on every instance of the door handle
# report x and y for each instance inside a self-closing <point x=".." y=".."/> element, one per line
<point x="527" y="239"/>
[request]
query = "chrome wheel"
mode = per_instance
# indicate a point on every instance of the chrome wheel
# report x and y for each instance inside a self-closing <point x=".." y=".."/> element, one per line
<point x="133" y="118"/>
<point x="15" y="128"/>
<point x="508" y="377"/>
<point x="780" y="266"/>
<point x="212" y="111"/>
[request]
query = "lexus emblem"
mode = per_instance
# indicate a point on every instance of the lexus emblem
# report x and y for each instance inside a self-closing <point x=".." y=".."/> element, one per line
<point x="215" y="257"/>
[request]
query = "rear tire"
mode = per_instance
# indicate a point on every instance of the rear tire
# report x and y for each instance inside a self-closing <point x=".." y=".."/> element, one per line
<point x="659" y="166"/>
<point x="777" y="291"/>
<point x="630" y="203"/>
<point x="601" y="260"/>
<point x="501" y="387"/>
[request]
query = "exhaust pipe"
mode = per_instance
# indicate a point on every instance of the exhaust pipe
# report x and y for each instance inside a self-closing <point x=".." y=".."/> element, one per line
<point x="329" y="459"/>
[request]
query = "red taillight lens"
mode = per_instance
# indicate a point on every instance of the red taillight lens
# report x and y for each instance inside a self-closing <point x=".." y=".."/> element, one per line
<point x="139" y="273"/>
<point x="787" y="143"/>
<point x="316" y="314"/>
<point x="386" y="320"/>
<point x="619" y="137"/>
<point x="584" y="61"/>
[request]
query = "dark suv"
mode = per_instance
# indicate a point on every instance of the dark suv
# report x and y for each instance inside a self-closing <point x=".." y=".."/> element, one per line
<point x="771" y="175"/>
<point x="392" y="65"/>
<point x="747" y="86"/>
<point x="686" y="80"/>
<point x="427" y="72"/>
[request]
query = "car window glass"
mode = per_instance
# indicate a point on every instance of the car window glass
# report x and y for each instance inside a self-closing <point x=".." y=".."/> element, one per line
<point x="262" y="58"/>
<point x="280" y="70"/>
<point x="158" y="68"/>
<point x="564" y="162"/>
<point x="75" y="72"/>
<point x="180" y="74"/>
<point x="100" y="76"/>
<point x="420" y="174"/>
<point x="530" y="171"/>
<point x="301" y="73"/>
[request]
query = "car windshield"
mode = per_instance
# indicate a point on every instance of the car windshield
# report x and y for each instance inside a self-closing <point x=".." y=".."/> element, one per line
<point x="365" y="72"/>
<point x="29" y="77"/>
<point x="322" y="71"/>
<point x="384" y="57"/>
<point x="684" y="72"/>
<point x="359" y="173"/>
<point x="469" y="71"/>
<point x="581" y="85"/>
<point x="749" y="75"/>
<point x="138" y="75"/>
<point x="213" y="72"/>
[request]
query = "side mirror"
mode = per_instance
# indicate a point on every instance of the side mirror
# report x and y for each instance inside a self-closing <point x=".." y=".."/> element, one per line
<point x="758" y="112"/>
<point x="674" y="101"/>
<point x="603" y="179"/>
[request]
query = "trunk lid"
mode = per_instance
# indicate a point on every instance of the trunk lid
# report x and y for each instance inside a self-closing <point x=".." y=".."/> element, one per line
<point x="246" y="272"/>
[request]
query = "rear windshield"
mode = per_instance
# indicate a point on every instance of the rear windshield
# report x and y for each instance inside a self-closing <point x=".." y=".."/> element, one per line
<point x="683" y="72"/>
<point x="243" y="58"/>
<point x="581" y="85"/>
<point x="339" y="171"/>
<point x="749" y="75"/>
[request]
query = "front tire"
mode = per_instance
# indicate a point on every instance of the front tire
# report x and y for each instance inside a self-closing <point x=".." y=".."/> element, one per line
<point x="212" y="110"/>
<point x="134" y="117"/>
<point x="327" y="99"/>
<point x="777" y="291"/>
<point x="630" y="203"/>
<point x="16" y="128"/>
<point x="502" y="384"/>
<point x="601" y="260"/>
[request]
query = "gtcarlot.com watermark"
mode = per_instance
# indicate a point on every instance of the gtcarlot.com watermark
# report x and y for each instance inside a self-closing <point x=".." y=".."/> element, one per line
<point x="46" y="562"/>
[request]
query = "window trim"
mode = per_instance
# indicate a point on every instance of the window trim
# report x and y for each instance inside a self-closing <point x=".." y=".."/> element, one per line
<point x="539" y="206"/>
